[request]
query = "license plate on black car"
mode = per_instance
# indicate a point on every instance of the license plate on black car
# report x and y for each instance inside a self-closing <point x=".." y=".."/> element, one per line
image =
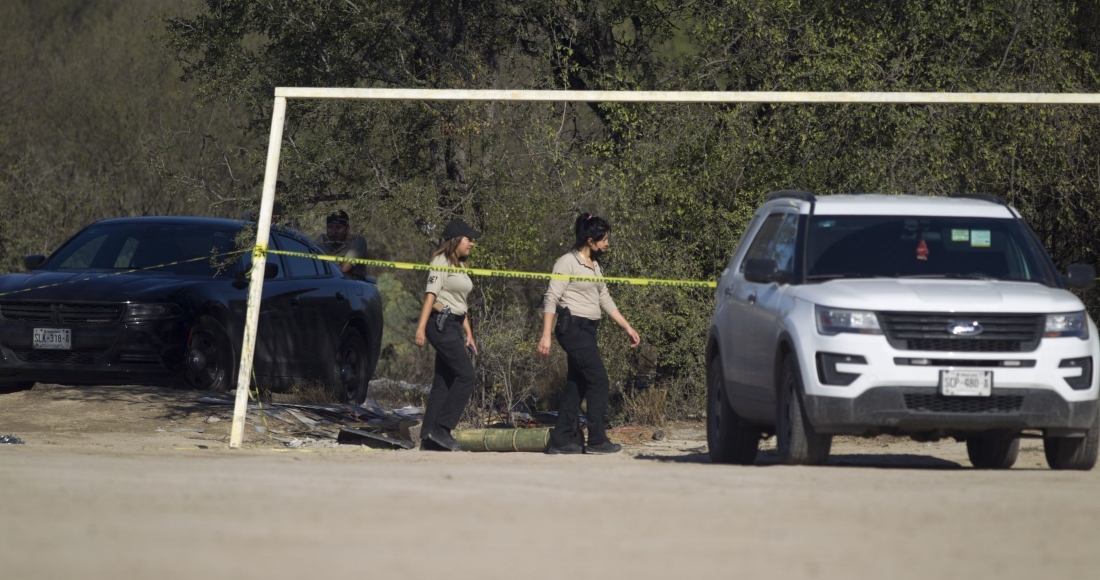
<point x="956" y="383"/>
<point x="53" y="338"/>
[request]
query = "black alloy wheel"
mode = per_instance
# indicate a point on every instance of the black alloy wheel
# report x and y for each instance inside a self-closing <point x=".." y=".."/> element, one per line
<point x="209" y="361"/>
<point x="352" y="369"/>
<point x="730" y="438"/>
<point x="796" y="439"/>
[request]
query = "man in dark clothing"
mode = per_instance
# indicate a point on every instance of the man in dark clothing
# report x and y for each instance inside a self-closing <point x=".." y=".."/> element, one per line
<point x="335" y="242"/>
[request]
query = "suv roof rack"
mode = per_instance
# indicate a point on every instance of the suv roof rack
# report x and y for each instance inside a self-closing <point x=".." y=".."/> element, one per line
<point x="792" y="194"/>
<point x="982" y="197"/>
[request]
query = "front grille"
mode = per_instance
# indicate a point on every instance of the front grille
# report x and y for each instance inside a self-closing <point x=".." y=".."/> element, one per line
<point x="139" y="358"/>
<point x="927" y="331"/>
<point x="61" y="313"/>
<point x="59" y="357"/>
<point x="971" y="405"/>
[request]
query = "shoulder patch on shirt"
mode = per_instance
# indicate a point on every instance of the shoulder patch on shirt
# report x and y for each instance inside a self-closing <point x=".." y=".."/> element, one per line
<point x="432" y="279"/>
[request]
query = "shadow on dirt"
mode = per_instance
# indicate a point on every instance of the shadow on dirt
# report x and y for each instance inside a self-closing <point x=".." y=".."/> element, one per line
<point x="769" y="458"/>
<point x="170" y="403"/>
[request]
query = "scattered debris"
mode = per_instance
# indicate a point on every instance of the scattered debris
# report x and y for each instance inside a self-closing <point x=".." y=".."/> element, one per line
<point x="213" y="419"/>
<point x="296" y="425"/>
<point x="376" y="441"/>
<point x="10" y="440"/>
<point x="658" y="435"/>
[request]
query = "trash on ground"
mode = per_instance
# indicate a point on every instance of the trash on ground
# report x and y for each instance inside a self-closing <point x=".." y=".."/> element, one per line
<point x="374" y="440"/>
<point x="10" y="440"/>
<point x="310" y="425"/>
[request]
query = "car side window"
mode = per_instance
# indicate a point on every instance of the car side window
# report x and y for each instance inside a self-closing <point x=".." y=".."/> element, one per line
<point x="298" y="267"/>
<point x="783" y="249"/>
<point x="764" y="240"/>
<point x="246" y="264"/>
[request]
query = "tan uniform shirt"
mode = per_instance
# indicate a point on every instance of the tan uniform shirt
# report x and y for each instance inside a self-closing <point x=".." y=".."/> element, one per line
<point x="583" y="299"/>
<point x="450" y="288"/>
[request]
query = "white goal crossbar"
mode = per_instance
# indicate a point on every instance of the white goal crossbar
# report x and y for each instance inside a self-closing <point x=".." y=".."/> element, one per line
<point x="278" y="117"/>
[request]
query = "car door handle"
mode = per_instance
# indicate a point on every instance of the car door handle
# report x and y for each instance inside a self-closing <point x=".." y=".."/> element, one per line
<point x="339" y="296"/>
<point x="728" y="291"/>
<point x="752" y="299"/>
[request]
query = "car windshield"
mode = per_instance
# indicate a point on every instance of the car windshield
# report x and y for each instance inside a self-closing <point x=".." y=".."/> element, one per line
<point x="923" y="247"/>
<point x="178" y="249"/>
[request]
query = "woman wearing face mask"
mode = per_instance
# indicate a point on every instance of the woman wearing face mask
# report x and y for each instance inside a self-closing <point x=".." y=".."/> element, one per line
<point x="578" y="305"/>
<point x="443" y="323"/>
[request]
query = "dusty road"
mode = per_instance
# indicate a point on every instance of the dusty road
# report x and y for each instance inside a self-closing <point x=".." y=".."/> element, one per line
<point x="98" y="492"/>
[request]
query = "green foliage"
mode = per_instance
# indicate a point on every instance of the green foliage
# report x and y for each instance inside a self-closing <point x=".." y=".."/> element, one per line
<point x="678" y="182"/>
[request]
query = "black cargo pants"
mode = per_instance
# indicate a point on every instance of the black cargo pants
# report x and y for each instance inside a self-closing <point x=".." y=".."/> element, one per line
<point x="454" y="375"/>
<point x="586" y="380"/>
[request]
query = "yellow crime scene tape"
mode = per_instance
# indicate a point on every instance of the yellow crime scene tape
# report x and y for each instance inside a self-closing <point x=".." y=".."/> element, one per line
<point x="491" y="273"/>
<point x="260" y="250"/>
<point x="121" y="272"/>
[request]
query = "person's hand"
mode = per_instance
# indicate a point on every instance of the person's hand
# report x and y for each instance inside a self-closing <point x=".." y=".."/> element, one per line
<point x="635" y="340"/>
<point x="544" y="346"/>
<point x="470" y="344"/>
<point x="421" y="337"/>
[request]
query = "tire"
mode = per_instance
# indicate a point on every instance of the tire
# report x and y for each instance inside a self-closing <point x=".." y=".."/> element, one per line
<point x="993" y="450"/>
<point x="1074" y="452"/>
<point x="730" y="438"/>
<point x="216" y="371"/>
<point x="796" y="439"/>
<point x="16" y="386"/>
<point x="353" y="368"/>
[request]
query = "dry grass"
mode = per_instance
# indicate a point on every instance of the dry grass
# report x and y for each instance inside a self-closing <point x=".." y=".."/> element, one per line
<point x="307" y="393"/>
<point x="646" y="407"/>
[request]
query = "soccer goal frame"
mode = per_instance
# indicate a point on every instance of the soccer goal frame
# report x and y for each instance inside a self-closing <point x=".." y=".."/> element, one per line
<point x="278" y="117"/>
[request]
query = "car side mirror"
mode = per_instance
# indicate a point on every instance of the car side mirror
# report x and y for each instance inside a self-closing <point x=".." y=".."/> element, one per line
<point x="764" y="272"/>
<point x="33" y="261"/>
<point x="1080" y="276"/>
<point x="270" y="270"/>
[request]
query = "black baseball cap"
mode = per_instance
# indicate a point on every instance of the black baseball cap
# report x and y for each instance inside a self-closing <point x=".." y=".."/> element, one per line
<point x="458" y="228"/>
<point x="338" y="217"/>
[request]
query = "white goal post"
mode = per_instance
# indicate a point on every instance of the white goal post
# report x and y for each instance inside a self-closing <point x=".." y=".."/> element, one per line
<point x="278" y="116"/>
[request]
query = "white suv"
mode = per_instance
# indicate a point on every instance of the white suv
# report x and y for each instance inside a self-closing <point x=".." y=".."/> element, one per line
<point x="930" y="317"/>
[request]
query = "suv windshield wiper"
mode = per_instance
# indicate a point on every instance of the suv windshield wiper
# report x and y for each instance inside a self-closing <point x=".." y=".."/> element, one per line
<point x="845" y="275"/>
<point x="954" y="276"/>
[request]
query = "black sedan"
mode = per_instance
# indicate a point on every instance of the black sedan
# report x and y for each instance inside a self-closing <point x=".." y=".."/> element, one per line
<point x="161" y="301"/>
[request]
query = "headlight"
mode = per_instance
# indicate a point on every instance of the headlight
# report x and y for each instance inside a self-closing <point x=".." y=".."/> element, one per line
<point x="834" y="321"/>
<point x="1071" y="324"/>
<point x="146" y="312"/>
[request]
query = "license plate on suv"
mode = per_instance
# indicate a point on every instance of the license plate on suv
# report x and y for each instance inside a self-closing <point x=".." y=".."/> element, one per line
<point x="955" y="383"/>
<point x="53" y="338"/>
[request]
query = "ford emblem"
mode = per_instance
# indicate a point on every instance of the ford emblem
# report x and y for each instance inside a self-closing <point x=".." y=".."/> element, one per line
<point x="973" y="328"/>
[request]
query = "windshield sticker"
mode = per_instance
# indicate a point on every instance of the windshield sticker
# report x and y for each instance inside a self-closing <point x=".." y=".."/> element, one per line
<point x="960" y="235"/>
<point x="922" y="250"/>
<point x="980" y="238"/>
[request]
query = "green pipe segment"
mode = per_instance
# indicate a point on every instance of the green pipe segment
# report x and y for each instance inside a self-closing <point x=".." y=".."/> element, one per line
<point x="503" y="439"/>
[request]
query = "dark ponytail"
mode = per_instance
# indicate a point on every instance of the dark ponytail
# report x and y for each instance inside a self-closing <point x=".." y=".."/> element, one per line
<point x="590" y="226"/>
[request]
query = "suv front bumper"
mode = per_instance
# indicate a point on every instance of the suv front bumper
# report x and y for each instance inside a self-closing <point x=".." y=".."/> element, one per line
<point x="904" y="410"/>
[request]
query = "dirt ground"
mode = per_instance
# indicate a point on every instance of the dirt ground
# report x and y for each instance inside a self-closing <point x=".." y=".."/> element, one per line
<point x="133" y="482"/>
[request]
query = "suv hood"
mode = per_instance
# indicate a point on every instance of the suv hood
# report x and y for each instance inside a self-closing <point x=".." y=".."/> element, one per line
<point x="88" y="286"/>
<point x="910" y="295"/>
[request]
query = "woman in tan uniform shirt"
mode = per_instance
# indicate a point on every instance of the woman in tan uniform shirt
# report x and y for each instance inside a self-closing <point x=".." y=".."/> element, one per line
<point x="443" y="322"/>
<point x="577" y="306"/>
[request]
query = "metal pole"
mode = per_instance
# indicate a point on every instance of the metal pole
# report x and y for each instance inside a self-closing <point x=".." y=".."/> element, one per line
<point x="259" y="264"/>
<point x="690" y="96"/>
